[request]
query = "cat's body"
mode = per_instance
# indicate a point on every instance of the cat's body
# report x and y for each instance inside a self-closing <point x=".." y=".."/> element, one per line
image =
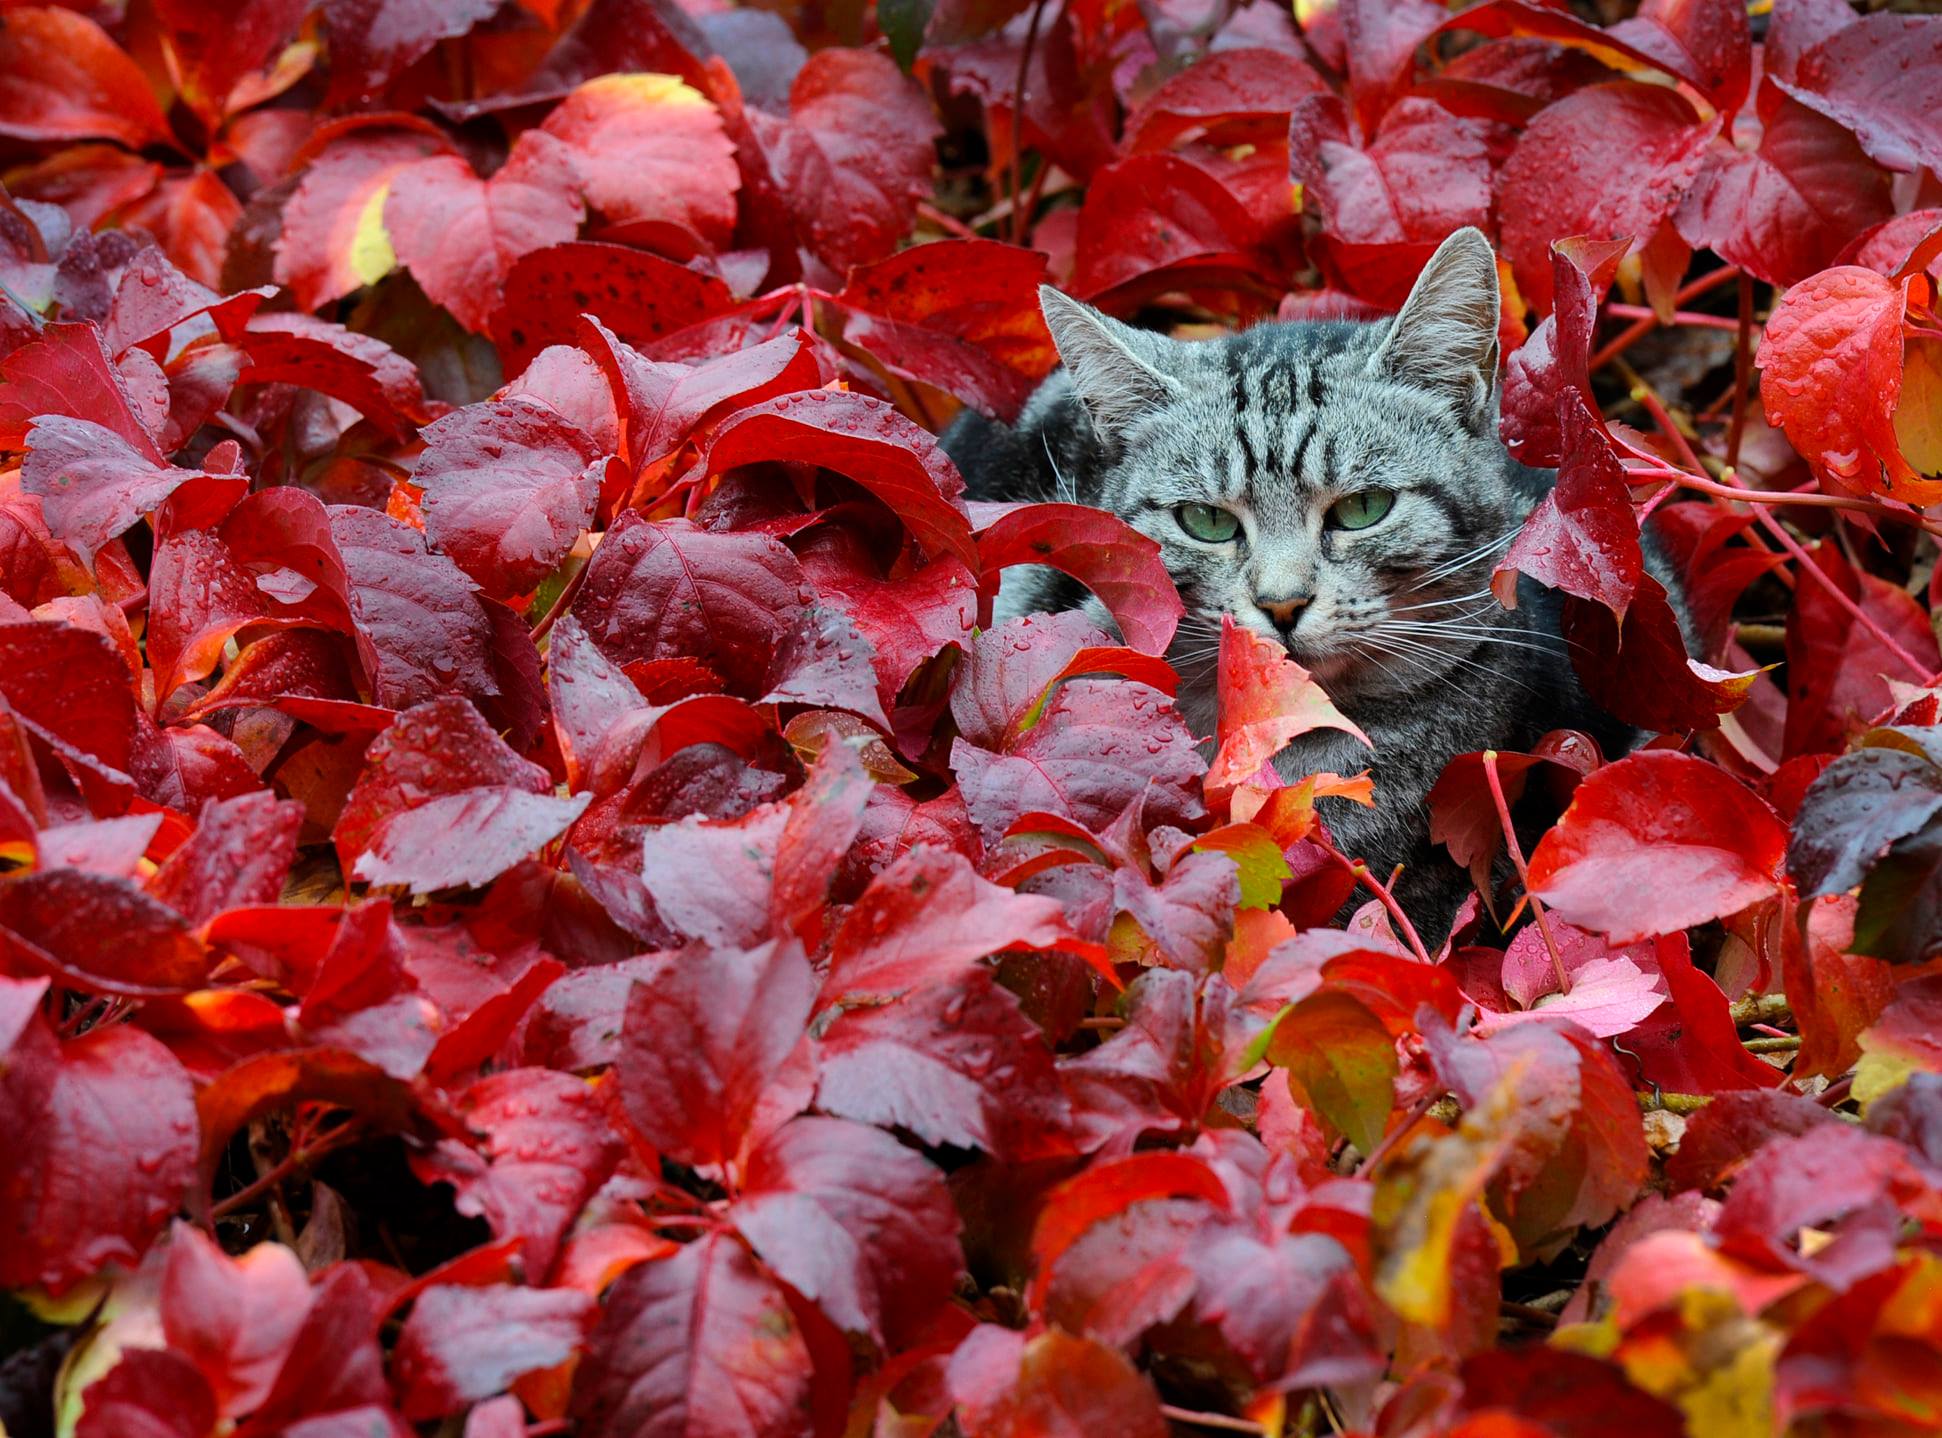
<point x="1292" y="436"/>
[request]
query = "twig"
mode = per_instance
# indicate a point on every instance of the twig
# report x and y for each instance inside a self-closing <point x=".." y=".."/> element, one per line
<point x="1018" y="117"/>
<point x="1523" y="870"/>
<point x="1744" y="495"/>
<point x="1389" y="1140"/>
<point x="1760" y="1009"/>
<point x="1742" y="373"/>
<point x="1527" y="1313"/>
<point x="1679" y="317"/>
<point x="299" y="1156"/>
<point x="1835" y="1093"/>
<point x="950" y="224"/>
<point x="1639" y="329"/>
<point x="1224" y="1422"/>
<point x="1644" y="394"/>
<point x="568" y="593"/>
<point x="1784" y="1044"/>
<point x="1388" y="900"/>
<point x="1106" y="1024"/>
<point x="1673" y="1102"/>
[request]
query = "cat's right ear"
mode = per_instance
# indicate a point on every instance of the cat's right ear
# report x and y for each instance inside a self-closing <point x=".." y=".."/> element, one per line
<point x="1102" y="355"/>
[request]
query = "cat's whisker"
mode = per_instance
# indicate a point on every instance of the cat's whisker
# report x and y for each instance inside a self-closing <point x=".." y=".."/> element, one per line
<point x="1444" y="603"/>
<point x="1451" y="566"/>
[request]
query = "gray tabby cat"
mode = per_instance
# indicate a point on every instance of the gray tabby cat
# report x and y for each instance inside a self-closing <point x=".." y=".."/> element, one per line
<point x="1336" y="487"/>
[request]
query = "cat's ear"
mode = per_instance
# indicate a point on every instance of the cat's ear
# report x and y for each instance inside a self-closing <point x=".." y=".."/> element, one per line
<point x="1115" y="381"/>
<point x="1445" y="337"/>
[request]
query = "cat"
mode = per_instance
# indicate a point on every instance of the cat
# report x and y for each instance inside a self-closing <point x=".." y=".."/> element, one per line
<point x="1337" y="487"/>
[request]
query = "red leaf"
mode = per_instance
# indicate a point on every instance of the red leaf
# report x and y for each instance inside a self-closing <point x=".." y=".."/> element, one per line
<point x="323" y="245"/>
<point x="1380" y="40"/>
<point x="147" y="1394"/>
<point x="463" y="1344"/>
<point x="824" y="817"/>
<point x="637" y="295"/>
<point x="239" y="855"/>
<point x="650" y="148"/>
<point x="672" y="1351"/>
<point x="1836" y="687"/>
<point x="1640" y="672"/>
<point x="1387" y="205"/>
<point x="1237" y="95"/>
<point x="1266" y="700"/>
<point x="923" y="920"/>
<point x="93" y="484"/>
<point x="1704" y="42"/>
<point x="335" y="1373"/>
<point x="1601" y="867"/>
<point x="68" y="371"/>
<point x="510" y="485"/>
<point x="421" y="628"/>
<point x="69" y="686"/>
<point x="961" y="315"/>
<point x="1105" y="1191"/>
<point x="1692" y="1044"/>
<point x="366" y="373"/>
<point x="98" y="932"/>
<point x="547" y="1149"/>
<point x="855" y="1222"/>
<point x="1831" y="375"/>
<point x="1157" y="222"/>
<point x="1099" y="746"/>
<point x="658" y="590"/>
<point x="1784" y="211"/>
<point x="1874" y="77"/>
<point x="954" y="1063"/>
<point x="68" y="81"/>
<point x="1608" y="161"/>
<point x="705" y="1067"/>
<point x="1052" y="1386"/>
<point x="1103" y="552"/>
<point x="854" y="156"/>
<point x="235" y="1318"/>
<point x="372" y="41"/>
<point x="1582" y="537"/>
<point x="663" y="406"/>
<point x="866" y="440"/>
<point x="460" y="236"/>
<point x="101" y="1144"/>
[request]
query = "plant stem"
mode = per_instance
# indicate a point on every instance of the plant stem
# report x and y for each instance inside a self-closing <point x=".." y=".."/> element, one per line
<point x="1681" y="1103"/>
<point x="1224" y="1422"/>
<point x="1639" y="329"/>
<point x="1523" y="870"/>
<point x="299" y="1157"/>
<point x="950" y="224"/>
<point x="1679" y="317"/>
<point x="1389" y="1140"/>
<point x="1746" y="495"/>
<point x="568" y="593"/>
<point x="1383" y="896"/>
<point x="1742" y="374"/>
<point x="1018" y="118"/>
<point x="1784" y="1044"/>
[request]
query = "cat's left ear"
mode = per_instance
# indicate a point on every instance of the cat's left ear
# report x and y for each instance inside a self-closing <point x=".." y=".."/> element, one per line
<point x="1445" y="337"/>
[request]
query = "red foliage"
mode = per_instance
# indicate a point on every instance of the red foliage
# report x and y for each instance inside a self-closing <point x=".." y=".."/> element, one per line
<point x="534" y="898"/>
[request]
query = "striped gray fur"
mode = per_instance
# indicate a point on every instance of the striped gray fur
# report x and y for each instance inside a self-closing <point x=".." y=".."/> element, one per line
<point x="1276" y="424"/>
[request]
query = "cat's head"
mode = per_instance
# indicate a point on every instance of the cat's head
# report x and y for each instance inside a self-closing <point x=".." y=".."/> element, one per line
<point x="1335" y="486"/>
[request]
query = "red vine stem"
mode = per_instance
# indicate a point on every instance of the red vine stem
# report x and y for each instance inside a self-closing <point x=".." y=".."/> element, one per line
<point x="1018" y="118"/>
<point x="1523" y="869"/>
<point x="1644" y="395"/>
<point x="1383" y="896"/>
<point x="1679" y="317"/>
<point x="1742" y="373"/>
<point x="950" y="224"/>
<point x="300" y="1156"/>
<point x="1679" y="478"/>
<point x="1639" y="329"/>
<point x="1222" y="1421"/>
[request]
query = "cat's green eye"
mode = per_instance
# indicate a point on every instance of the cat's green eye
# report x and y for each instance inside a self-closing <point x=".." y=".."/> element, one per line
<point x="1208" y="524"/>
<point x="1361" y="509"/>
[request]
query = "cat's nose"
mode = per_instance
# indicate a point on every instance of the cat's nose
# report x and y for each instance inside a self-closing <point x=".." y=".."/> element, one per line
<point x="1284" y="612"/>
